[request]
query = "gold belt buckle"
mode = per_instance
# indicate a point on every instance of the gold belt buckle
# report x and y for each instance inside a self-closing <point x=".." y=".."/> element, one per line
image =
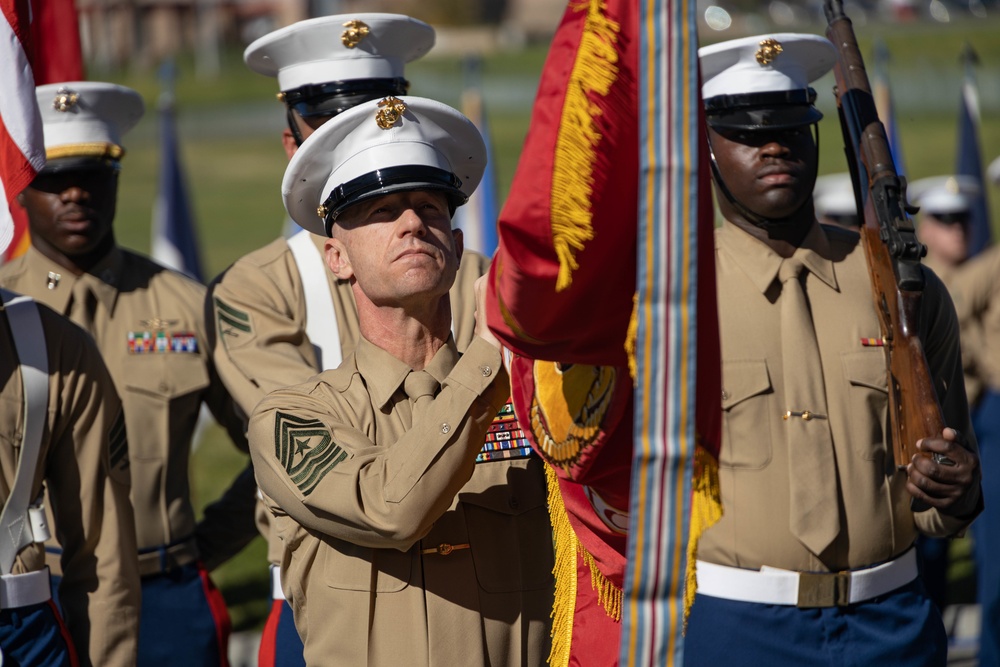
<point x="824" y="589"/>
<point x="444" y="549"/>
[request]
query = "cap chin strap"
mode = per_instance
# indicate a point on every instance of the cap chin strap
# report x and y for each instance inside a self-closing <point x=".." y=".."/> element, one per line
<point x="767" y="224"/>
<point x="294" y="127"/>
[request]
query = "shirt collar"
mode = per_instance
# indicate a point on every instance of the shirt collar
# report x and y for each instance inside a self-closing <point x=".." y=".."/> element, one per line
<point x="761" y="264"/>
<point x="384" y="374"/>
<point x="102" y="279"/>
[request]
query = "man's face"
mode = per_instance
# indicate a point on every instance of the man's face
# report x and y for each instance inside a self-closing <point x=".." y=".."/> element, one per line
<point x="770" y="172"/>
<point x="399" y="247"/>
<point x="946" y="238"/>
<point x="71" y="212"/>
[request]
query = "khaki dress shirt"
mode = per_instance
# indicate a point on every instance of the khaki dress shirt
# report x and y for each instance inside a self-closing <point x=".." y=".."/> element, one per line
<point x="398" y="547"/>
<point x="876" y="521"/>
<point x="148" y="324"/>
<point x="258" y="311"/>
<point x="84" y="462"/>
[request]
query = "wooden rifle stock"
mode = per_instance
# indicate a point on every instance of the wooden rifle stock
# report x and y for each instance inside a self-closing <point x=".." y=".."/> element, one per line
<point x="891" y="247"/>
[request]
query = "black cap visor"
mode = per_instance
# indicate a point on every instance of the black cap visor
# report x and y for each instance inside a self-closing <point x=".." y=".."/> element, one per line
<point x="776" y="110"/>
<point x="330" y="99"/>
<point x="387" y="181"/>
<point x="81" y="163"/>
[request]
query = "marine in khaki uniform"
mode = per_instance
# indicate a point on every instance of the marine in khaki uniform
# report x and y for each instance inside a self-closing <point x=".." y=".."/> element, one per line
<point x="83" y="461"/>
<point x="147" y="322"/>
<point x="812" y="560"/>
<point x="406" y="540"/>
<point x="946" y="204"/>
<point x="267" y="332"/>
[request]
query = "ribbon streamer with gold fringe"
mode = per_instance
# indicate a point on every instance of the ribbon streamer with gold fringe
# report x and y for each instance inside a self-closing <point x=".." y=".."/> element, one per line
<point x="675" y="493"/>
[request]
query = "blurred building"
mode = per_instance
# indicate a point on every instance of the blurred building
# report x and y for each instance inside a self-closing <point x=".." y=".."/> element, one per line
<point x="144" y="32"/>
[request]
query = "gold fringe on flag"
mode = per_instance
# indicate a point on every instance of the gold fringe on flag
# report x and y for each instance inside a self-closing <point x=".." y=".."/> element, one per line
<point x="706" y="509"/>
<point x="594" y="71"/>
<point x="563" y="606"/>
<point x="567" y="549"/>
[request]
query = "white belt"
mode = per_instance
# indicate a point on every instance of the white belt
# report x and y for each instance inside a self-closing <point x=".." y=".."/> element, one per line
<point x="23" y="590"/>
<point x="276" y="591"/>
<point x="805" y="589"/>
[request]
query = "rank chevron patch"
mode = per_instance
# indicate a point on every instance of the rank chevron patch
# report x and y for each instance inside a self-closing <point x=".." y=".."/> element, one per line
<point x="306" y="450"/>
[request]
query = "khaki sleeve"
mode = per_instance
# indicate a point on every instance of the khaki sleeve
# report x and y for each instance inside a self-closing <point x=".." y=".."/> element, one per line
<point x="381" y="495"/>
<point x="940" y="333"/>
<point x="88" y="480"/>
<point x="260" y="342"/>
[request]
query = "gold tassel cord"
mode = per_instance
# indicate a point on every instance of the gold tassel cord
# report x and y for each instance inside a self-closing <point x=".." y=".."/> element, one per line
<point x="706" y="509"/>
<point x="631" y="339"/>
<point x="594" y="71"/>
<point x="567" y="549"/>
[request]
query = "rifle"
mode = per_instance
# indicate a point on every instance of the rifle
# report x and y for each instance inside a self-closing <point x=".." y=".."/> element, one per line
<point x="891" y="247"/>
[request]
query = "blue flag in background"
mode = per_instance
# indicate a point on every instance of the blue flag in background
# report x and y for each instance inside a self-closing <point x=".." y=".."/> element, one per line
<point x="174" y="241"/>
<point x="478" y="218"/>
<point x="884" y="104"/>
<point x="970" y="161"/>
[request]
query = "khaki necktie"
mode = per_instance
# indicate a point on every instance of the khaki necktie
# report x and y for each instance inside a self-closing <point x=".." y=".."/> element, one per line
<point x="83" y="306"/>
<point x="814" y="503"/>
<point x="420" y="387"/>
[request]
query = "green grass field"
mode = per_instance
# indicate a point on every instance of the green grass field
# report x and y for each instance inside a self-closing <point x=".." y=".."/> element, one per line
<point x="234" y="163"/>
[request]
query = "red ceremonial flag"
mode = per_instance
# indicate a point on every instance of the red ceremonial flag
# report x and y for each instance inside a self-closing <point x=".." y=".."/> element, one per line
<point x="597" y="286"/>
<point x="50" y="48"/>
<point x="22" y="150"/>
<point x="560" y="299"/>
<point x="55" y="30"/>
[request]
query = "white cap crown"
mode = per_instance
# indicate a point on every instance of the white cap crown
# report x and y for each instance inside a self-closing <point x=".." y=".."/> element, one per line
<point x="379" y="147"/>
<point x="87" y="118"/>
<point x="340" y="48"/>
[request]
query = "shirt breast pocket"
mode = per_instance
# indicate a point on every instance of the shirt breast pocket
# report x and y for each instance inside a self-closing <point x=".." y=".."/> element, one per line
<point x="162" y="400"/>
<point x="351" y="567"/>
<point x="507" y="519"/>
<point x="867" y="401"/>
<point x="746" y="414"/>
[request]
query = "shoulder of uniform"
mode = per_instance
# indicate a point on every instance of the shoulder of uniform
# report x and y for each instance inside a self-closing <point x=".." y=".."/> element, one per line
<point x="11" y="272"/>
<point x="339" y="379"/>
<point x="273" y="251"/>
<point x="474" y="262"/>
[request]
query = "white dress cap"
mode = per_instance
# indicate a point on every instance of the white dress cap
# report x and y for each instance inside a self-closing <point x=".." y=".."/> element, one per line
<point x="941" y="195"/>
<point x="87" y="118"/>
<point x="340" y="48"/>
<point x="765" y="63"/>
<point x="379" y="147"/>
<point x="833" y="195"/>
<point x="993" y="171"/>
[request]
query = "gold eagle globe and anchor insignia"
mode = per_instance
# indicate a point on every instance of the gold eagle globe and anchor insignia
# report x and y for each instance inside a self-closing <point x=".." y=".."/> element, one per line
<point x="568" y="407"/>
<point x="65" y="99"/>
<point x="390" y="111"/>
<point x="768" y="51"/>
<point x="355" y="33"/>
